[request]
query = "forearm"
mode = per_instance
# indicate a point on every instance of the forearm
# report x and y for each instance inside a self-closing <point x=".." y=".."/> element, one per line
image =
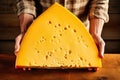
<point x="25" y="21"/>
<point x="26" y="11"/>
<point x="96" y="26"/>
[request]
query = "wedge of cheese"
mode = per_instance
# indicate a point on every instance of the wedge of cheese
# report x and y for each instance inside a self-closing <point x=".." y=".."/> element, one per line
<point x="57" y="39"/>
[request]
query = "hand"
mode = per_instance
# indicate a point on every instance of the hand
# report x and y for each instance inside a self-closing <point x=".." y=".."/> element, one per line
<point x="96" y="26"/>
<point x="100" y="45"/>
<point x="17" y="42"/>
<point x="25" y="22"/>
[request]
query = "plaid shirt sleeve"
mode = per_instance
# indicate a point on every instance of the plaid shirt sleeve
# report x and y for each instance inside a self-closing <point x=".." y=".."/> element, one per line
<point x="99" y="9"/>
<point x="26" y="6"/>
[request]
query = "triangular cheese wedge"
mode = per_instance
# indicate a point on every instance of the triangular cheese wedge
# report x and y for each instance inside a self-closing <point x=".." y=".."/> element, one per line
<point x="57" y="38"/>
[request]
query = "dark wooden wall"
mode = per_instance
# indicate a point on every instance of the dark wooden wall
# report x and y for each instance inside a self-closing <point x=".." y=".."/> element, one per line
<point x="111" y="31"/>
<point x="9" y="27"/>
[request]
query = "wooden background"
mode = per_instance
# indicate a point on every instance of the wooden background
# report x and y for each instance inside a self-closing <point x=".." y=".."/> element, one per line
<point x="9" y="27"/>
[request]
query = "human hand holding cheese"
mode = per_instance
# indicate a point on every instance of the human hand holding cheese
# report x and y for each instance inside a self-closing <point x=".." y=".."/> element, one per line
<point x="25" y="21"/>
<point x="96" y="26"/>
<point x="57" y="41"/>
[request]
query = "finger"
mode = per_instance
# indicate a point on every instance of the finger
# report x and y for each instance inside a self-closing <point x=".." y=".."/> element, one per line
<point x="17" y="43"/>
<point x="101" y="48"/>
<point x="16" y="47"/>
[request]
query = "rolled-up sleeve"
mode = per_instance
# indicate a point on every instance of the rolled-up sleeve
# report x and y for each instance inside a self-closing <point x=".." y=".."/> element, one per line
<point x="99" y="9"/>
<point x="26" y="6"/>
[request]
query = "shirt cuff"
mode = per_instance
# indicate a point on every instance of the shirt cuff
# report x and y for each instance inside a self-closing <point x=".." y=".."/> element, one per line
<point x="99" y="14"/>
<point x="26" y="7"/>
<point x="28" y="11"/>
<point x="99" y="9"/>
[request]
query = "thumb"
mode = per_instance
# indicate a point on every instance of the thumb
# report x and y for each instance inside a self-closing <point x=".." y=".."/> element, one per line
<point x="100" y="45"/>
<point x="101" y="48"/>
<point x="17" y="43"/>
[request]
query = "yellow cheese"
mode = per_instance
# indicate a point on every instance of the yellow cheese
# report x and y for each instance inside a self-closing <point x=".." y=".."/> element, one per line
<point x="57" y="38"/>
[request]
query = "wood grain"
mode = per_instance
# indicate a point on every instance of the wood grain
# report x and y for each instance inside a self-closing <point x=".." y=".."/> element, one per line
<point x="109" y="71"/>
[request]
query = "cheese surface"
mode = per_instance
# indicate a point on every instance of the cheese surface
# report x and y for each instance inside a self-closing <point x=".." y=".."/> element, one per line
<point x="57" y="38"/>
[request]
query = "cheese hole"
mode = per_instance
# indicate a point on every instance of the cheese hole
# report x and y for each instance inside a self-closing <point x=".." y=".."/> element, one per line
<point x="42" y="39"/>
<point x="54" y="37"/>
<point x="60" y="48"/>
<point x="75" y="65"/>
<point x="65" y="28"/>
<point x="70" y="51"/>
<point x="81" y="58"/>
<point x="45" y="66"/>
<point x="59" y="24"/>
<point x="89" y="64"/>
<point x="60" y="34"/>
<point x="46" y="57"/>
<point x="50" y="53"/>
<point x="65" y="56"/>
<point x="50" y="22"/>
<point x="61" y="66"/>
<point x="68" y="26"/>
<point x="55" y="26"/>
<point x="70" y="65"/>
<point x="55" y="50"/>
<point x="74" y="30"/>
<point x="38" y="51"/>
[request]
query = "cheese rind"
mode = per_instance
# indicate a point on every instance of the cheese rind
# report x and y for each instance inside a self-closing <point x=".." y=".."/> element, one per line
<point x="57" y="38"/>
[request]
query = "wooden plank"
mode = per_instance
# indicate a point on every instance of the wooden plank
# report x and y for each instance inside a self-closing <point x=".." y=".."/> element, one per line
<point x="114" y="6"/>
<point x="9" y="33"/>
<point x="112" y="46"/>
<point x="9" y="20"/>
<point x="111" y="30"/>
<point x="7" y="6"/>
<point x="7" y="46"/>
<point x="109" y="71"/>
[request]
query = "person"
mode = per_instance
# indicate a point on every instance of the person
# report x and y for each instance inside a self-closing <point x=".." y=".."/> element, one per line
<point x="93" y="13"/>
